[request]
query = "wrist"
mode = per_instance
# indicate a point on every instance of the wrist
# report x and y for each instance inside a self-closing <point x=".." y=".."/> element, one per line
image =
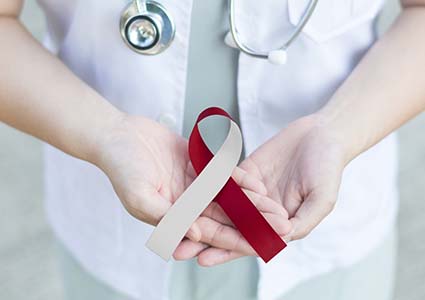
<point x="104" y="128"/>
<point x="337" y="134"/>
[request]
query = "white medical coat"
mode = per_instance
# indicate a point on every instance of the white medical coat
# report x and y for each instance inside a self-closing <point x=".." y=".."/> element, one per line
<point x="88" y="217"/>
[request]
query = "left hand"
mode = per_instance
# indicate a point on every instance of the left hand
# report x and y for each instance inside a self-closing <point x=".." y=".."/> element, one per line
<point x="301" y="168"/>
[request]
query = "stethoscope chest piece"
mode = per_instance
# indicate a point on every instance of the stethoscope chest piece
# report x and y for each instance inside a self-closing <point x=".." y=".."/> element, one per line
<point x="146" y="27"/>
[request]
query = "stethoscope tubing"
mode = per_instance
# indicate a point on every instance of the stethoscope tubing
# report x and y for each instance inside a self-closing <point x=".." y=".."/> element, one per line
<point x="265" y="55"/>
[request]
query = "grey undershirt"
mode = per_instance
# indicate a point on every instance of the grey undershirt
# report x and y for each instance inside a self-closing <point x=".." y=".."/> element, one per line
<point x="212" y="69"/>
<point x="211" y="81"/>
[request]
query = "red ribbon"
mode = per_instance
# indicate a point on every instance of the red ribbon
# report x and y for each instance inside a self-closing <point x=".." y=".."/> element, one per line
<point x="237" y="206"/>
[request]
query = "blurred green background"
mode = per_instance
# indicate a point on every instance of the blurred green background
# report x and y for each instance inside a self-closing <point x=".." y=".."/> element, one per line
<point x="28" y="269"/>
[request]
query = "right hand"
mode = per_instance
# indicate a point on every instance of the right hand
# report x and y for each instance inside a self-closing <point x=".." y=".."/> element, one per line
<point x="147" y="164"/>
<point x="149" y="168"/>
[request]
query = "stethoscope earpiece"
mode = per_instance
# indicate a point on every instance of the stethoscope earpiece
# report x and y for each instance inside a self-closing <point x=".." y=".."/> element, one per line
<point x="229" y="41"/>
<point x="146" y="27"/>
<point x="278" y="57"/>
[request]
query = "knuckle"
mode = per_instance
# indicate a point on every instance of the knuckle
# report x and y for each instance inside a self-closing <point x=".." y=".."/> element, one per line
<point x="217" y="233"/>
<point x="236" y="244"/>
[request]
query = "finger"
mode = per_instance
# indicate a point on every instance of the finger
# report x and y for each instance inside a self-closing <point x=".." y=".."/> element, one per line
<point x="151" y="207"/>
<point x="251" y="167"/>
<point x="263" y="203"/>
<point x="281" y="225"/>
<point x="215" y="256"/>
<point x="215" y="212"/>
<point x="292" y="204"/>
<point x="292" y="198"/>
<point x="222" y="236"/>
<point x="190" y="171"/>
<point x="274" y="213"/>
<point x="266" y="204"/>
<point x="188" y="249"/>
<point x="311" y="212"/>
<point x="194" y="233"/>
<point x="249" y="181"/>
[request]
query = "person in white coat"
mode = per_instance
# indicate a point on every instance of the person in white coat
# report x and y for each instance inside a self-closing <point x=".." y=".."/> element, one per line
<point x="320" y="164"/>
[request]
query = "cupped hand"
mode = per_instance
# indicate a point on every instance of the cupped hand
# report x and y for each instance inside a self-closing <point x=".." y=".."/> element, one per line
<point x="301" y="168"/>
<point x="147" y="164"/>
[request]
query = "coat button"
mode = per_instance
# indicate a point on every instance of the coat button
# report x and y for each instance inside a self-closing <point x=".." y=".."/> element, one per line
<point x="167" y="120"/>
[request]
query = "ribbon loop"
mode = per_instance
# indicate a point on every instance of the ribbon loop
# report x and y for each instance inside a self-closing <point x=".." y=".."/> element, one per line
<point x="214" y="182"/>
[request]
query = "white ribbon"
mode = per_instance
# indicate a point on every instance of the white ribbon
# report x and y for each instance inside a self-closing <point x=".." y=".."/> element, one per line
<point x="188" y="207"/>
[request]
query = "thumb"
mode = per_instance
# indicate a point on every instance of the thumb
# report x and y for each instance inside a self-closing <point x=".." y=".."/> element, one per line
<point x="311" y="212"/>
<point x="151" y="206"/>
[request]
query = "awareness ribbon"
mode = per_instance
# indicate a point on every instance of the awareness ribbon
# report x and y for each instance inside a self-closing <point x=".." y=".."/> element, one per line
<point x="214" y="182"/>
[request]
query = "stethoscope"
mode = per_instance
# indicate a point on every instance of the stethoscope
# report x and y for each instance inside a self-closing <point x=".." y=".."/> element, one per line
<point x="148" y="28"/>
